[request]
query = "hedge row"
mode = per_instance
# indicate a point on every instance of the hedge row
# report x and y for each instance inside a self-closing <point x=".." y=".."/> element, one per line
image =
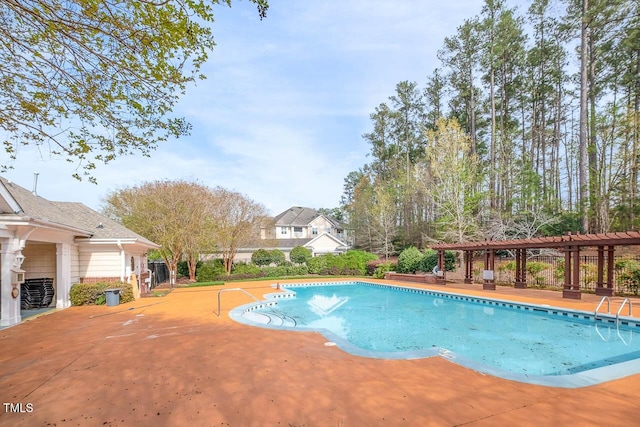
<point x="348" y="263"/>
<point x="265" y="257"/>
<point x="352" y="263"/>
<point x="280" y="271"/>
<point x="94" y="293"/>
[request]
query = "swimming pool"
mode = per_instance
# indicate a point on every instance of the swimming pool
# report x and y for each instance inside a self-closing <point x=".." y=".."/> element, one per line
<point x="524" y="342"/>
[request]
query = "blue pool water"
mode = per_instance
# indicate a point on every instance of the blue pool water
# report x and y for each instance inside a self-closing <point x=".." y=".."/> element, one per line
<point x="529" y="343"/>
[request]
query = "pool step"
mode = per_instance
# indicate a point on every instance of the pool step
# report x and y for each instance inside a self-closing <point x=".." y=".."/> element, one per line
<point x="279" y="319"/>
<point x="272" y="318"/>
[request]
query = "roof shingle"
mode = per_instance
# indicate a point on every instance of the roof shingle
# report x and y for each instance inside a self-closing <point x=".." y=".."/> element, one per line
<point x="69" y="214"/>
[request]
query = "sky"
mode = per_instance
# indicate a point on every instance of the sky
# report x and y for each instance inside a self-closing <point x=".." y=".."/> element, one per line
<point x="281" y="114"/>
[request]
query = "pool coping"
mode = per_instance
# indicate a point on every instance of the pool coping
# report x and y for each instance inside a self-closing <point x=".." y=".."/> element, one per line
<point x="580" y="379"/>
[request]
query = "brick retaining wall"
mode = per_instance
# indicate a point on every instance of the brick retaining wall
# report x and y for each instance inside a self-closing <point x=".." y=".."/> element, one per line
<point x="415" y="278"/>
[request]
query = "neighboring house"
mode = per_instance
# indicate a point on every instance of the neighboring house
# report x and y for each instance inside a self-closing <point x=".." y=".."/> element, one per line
<point x="300" y="226"/>
<point x="63" y="241"/>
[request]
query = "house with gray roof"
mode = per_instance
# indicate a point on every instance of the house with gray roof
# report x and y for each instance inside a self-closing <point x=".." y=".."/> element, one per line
<point x="65" y="242"/>
<point x="302" y="226"/>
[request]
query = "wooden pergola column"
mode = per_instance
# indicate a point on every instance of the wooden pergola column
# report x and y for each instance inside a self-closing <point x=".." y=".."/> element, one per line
<point x="488" y="275"/>
<point x="605" y="288"/>
<point x="468" y="266"/>
<point x="521" y="269"/>
<point x="440" y="280"/>
<point x="571" y="272"/>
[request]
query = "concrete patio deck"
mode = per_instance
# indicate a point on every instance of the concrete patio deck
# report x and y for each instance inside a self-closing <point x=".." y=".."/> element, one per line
<point x="171" y="361"/>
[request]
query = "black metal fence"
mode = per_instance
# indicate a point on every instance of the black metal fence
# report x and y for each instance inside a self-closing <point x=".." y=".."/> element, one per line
<point x="159" y="273"/>
<point x="547" y="271"/>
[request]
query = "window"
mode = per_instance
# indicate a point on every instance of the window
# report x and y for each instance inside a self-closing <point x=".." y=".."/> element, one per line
<point x="297" y="229"/>
<point x="314" y="231"/>
<point x="283" y="230"/>
<point x="327" y="229"/>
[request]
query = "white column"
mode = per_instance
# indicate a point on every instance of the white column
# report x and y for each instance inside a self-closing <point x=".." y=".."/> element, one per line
<point x="63" y="275"/>
<point x="10" y="306"/>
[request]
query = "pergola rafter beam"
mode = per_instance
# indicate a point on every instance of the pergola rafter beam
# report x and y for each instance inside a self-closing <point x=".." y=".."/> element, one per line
<point x="570" y="244"/>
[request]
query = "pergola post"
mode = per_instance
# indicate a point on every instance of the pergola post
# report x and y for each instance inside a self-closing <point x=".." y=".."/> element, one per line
<point x="572" y="272"/>
<point x="489" y="283"/>
<point x="468" y="266"/>
<point x="521" y="269"/>
<point x="602" y="288"/>
<point x="610" y="266"/>
<point x="440" y="279"/>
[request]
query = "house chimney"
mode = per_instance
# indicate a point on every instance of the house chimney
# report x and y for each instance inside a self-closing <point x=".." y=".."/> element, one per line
<point x="35" y="183"/>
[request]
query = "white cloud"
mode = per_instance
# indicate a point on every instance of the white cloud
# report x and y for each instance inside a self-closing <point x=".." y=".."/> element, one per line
<point x="286" y="101"/>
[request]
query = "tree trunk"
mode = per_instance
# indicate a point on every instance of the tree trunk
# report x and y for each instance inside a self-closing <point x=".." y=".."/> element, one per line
<point x="192" y="263"/>
<point x="635" y="144"/>
<point x="582" y="147"/>
<point x="592" y="149"/>
<point x="492" y="166"/>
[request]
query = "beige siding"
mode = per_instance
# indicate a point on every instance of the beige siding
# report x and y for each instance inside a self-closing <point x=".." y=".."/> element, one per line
<point x="286" y="235"/>
<point x="99" y="264"/>
<point x="322" y="225"/>
<point x="324" y="244"/>
<point x="243" y="256"/>
<point x="75" y="264"/>
<point x="39" y="261"/>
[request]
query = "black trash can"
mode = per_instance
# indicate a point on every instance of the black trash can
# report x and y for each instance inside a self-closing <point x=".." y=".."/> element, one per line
<point x="113" y="296"/>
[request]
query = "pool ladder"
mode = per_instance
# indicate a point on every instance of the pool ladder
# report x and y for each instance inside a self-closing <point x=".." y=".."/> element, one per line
<point x="232" y="289"/>
<point x="608" y="300"/>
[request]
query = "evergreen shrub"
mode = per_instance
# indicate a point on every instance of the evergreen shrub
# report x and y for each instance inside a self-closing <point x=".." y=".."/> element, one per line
<point x="316" y="264"/>
<point x="264" y="257"/>
<point x="245" y="268"/>
<point x="261" y="257"/>
<point x="383" y="268"/>
<point x="282" y="271"/>
<point x="300" y="255"/>
<point x="430" y="260"/>
<point x="409" y="260"/>
<point x="209" y="270"/>
<point x="94" y="293"/>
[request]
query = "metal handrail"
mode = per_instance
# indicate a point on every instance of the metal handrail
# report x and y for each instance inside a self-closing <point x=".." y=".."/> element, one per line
<point x="601" y="336"/>
<point x="232" y="289"/>
<point x="626" y="300"/>
<point x="604" y="298"/>
<point x="620" y="336"/>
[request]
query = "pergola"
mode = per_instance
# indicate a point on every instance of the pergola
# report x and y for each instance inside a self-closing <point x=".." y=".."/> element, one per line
<point x="570" y="244"/>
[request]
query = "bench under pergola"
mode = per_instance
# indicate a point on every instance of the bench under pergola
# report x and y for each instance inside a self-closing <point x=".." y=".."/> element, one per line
<point x="570" y="244"/>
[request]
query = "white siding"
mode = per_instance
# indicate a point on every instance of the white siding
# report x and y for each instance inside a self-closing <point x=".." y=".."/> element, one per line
<point x="284" y="232"/>
<point x="242" y="256"/>
<point x="39" y="261"/>
<point x="105" y="263"/>
<point x="75" y="264"/>
<point x="321" y="223"/>
<point x="323" y="244"/>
